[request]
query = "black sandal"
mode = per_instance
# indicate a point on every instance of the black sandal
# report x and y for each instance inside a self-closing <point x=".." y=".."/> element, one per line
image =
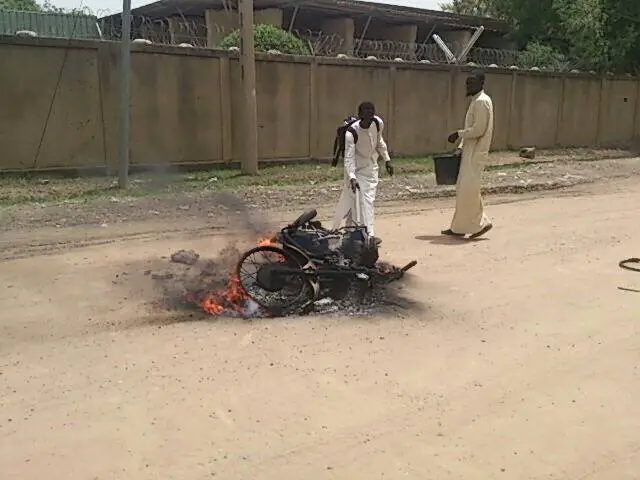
<point x="481" y="232"/>
<point x="451" y="233"/>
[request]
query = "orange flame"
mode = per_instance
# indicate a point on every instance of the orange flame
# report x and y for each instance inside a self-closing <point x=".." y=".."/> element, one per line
<point x="264" y="242"/>
<point x="232" y="296"/>
<point x="210" y="306"/>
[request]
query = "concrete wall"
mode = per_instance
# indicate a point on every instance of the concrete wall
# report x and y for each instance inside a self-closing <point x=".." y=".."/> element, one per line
<point x="73" y="134"/>
<point x="184" y="104"/>
<point x="176" y="107"/>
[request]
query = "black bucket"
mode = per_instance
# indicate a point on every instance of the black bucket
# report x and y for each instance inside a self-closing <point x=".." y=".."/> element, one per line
<point x="447" y="166"/>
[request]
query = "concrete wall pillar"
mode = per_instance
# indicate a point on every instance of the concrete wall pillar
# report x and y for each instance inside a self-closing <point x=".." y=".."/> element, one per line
<point x="219" y="25"/>
<point x="268" y="16"/>
<point x="456" y="40"/>
<point x="342" y="28"/>
<point x="401" y="33"/>
<point x="174" y="29"/>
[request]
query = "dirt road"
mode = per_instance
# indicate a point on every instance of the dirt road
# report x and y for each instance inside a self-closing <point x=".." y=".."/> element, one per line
<point x="524" y="363"/>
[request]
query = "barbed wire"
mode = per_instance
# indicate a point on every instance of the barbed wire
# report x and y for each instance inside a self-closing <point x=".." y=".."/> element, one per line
<point x="162" y="31"/>
<point x="331" y="45"/>
<point x="103" y="12"/>
<point x="180" y="30"/>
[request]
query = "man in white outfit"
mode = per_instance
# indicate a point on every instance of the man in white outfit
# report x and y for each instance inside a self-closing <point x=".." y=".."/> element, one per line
<point x="361" y="167"/>
<point x="469" y="218"/>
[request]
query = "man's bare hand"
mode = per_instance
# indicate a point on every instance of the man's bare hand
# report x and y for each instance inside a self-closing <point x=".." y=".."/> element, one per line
<point x="354" y="185"/>
<point x="389" y="167"/>
<point x="453" y="138"/>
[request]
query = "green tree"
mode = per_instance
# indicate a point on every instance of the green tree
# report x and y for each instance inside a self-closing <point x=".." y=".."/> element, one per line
<point x="46" y="6"/>
<point x="477" y="8"/>
<point x="268" y="37"/>
<point x="622" y="30"/>
<point x="25" y="5"/>
<point x="583" y="30"/>
<point x="536" y="54"/>
<point x="593" y="34"/>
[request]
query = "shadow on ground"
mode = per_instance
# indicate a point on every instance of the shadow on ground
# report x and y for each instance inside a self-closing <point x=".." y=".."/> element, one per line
<point x="448" y="240"/>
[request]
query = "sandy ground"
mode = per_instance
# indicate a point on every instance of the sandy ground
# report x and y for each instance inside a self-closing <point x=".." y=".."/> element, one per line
<point x="522" y="364"/>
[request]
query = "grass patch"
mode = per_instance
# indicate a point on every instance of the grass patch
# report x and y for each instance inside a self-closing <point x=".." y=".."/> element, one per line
<point x="513" y="166"/>
<point x="29" y="189"/>
<point x="40" y="189"/>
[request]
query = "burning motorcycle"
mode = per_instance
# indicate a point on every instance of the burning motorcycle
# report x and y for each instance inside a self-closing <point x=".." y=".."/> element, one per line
<point x="305" y="262"/>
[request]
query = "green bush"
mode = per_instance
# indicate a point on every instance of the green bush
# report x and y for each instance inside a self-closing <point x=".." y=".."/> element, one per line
<point x="538" y="55"/>
<point x="268" y="37"/>
<point x="23" y="5"/>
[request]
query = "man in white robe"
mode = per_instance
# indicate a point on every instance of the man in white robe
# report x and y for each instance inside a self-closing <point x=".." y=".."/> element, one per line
<point x="470" y="218"/>
<point x="361" y="168"/>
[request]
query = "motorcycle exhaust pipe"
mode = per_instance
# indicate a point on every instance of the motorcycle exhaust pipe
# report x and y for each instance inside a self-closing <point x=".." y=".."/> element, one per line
<point x="409" y="266"/>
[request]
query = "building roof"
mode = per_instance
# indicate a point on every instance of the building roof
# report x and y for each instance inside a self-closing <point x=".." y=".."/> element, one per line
<point x="391" y="13"/>
<point x="54" y="25"/>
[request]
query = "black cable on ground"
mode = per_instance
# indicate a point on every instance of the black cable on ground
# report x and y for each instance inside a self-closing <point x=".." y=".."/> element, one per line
<point x="626" y="264"/>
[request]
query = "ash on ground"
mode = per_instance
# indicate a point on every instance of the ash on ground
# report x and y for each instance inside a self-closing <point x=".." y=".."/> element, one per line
<point x="189" y="279"/>
<point x="361" y="302"/>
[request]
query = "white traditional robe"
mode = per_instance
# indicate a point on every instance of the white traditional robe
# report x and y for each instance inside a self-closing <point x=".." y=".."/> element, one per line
<point x="361" y="163"/>
<point x="469" y="217"/>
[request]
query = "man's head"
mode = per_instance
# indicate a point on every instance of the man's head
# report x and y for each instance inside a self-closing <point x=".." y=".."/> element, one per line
<point x="475" y="82"/>
<point x="366" y="112"/>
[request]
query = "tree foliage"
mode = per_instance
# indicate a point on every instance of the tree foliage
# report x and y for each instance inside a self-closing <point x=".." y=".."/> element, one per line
<point x="45" y="7"/>
<point x="591" y="34"/>
<point x="269" y="37"/>
<point x="477" y="8"/>
<point x="537" y="54"/>
<point x="49" y="7"/>
<point x="24" y="5"/>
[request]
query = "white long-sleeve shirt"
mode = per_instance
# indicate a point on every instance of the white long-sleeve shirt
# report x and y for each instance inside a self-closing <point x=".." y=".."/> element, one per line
<point x="478" y="124"/>
<point x="370" y="145"/>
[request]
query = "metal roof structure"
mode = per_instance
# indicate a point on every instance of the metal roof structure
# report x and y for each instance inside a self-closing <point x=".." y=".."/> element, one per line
<point x="390" y="13"/>
<point x="52" y="25"/>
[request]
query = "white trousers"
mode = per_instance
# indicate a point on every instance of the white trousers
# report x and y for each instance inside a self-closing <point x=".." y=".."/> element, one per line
<point x="367" y="178"/>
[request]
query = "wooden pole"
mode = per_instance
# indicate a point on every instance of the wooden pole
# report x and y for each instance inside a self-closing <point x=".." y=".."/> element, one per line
<point x="248" y="78"/>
